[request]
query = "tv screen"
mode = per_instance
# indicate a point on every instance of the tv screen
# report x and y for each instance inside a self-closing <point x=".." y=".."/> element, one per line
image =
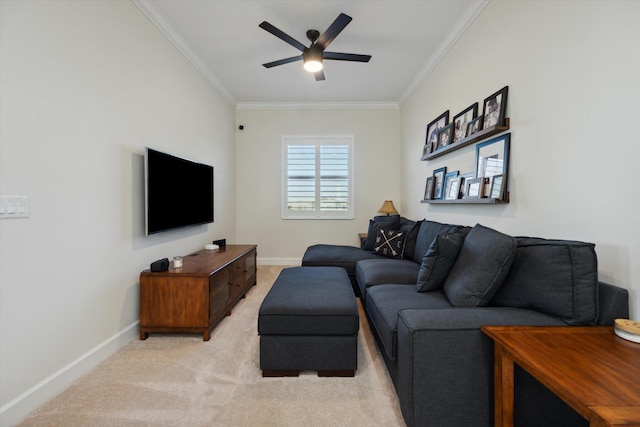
<point x="178" y="192"/>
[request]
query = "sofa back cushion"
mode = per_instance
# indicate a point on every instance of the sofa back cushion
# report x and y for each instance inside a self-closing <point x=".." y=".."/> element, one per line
<point x="427" y="233"/>
<point x="481" y="267"/>
<point x="557" y="277"/>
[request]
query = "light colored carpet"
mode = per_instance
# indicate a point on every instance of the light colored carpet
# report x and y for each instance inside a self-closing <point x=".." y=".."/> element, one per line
<point x="180" y="380"/>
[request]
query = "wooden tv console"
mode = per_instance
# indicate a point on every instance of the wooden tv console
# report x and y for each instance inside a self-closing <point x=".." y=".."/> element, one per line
<point x="196" y="297"/>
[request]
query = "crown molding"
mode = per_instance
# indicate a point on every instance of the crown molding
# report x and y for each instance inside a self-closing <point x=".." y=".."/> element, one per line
<point x="147" y="7"/>
<point x="317" y="106"/>
<point x="461" y="26"/>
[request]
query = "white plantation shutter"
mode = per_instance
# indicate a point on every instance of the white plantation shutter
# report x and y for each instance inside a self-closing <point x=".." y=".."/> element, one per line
<point x="317" y="177"/>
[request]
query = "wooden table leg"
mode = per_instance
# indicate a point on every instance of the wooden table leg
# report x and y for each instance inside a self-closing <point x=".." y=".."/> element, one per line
<point x="503" y="388"/>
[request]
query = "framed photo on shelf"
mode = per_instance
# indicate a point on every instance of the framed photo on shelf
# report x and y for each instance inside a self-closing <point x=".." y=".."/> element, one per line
<point x="474" y="188"/>
<point x="451" y="192"/>
<point x="461" y="121"/>
<point x="426" y="150"/>
<point x="495" y="107"/>
<point x="445" y="136"/>
<point x="438" y="183"/>
<point x="474" y="125"/>
<point x="463" y="179"/>
<point x="428" y="190"/>
<point x="497" y="187"/>
<point x="492" y="157"/>
<point x="431" y="140"/>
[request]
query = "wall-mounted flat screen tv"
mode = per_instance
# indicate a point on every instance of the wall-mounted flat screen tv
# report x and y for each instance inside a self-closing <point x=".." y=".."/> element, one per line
<point x="178" y="192"/>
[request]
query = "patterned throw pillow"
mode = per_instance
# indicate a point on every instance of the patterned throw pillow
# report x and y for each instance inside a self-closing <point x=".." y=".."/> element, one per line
<point x="389" y="243"/>
<point x="390" y="222"/>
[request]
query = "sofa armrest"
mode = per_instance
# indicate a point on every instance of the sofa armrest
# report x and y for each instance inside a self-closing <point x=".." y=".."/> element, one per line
<point x="613" y="303"/>
<point x="445" y="363"/>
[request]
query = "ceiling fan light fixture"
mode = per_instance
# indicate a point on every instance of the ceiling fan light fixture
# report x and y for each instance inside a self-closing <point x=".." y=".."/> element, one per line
<point x="313" y="65"/>
<point x="312" y="57"/>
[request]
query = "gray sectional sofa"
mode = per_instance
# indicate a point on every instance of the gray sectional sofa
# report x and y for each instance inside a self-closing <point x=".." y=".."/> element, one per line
<point x="428" y="287"/>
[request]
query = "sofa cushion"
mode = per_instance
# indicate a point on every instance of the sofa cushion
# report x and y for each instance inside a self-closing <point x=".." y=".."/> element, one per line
<point x="372" y="272"/>
<point x="389" y="243"/>
<point x="557" y="277"/>
<point x="336" y="256"/>
<point x="388" y="222"/>
<point x="427" y="233"/>
<point x="482" y="265"/>
<point x="383" y="304"/>
<point x="437" y="262"/>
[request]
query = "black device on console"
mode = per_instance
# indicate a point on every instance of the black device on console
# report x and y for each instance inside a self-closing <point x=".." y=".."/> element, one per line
<point x="160" y="265"/>
<point x="222" y="242"/>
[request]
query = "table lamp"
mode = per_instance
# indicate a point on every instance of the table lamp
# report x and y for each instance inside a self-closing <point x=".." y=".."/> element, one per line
<point x="388" y="208"/>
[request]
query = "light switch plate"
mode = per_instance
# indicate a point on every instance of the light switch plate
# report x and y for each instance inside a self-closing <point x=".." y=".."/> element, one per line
<point x="14" y="207"/>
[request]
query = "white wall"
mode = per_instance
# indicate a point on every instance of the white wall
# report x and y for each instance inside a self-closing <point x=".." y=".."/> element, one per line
<point x="85" y="87"/>
<point x="574" y="101"/>
<point x="259" y="157"/>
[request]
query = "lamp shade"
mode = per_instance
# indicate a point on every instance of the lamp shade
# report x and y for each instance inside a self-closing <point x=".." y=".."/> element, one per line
<point x="388" y="208"/>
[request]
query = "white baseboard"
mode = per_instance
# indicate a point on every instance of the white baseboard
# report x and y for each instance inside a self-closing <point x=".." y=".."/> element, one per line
<point x="17" y="409"/>
<point x="279" y="261"/>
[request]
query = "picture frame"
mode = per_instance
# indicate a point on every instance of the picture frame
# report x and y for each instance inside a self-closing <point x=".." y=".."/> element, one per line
<point x="474" y="188"/>
<point x="497" y="187"/>
<point x="428" y="190"/>
<point x="455" y="189"/>
<point x="494" y="108"/>
<point x="475" y="125"/>
<point x="461" y="121"/>
<point x="431" y="139"/>
<point x="492" y="157"/>
<point x="438" y="182"/>
<point x="463" y="177"/>
<point x="445" y="136"/>
<point x="451" y="192"/>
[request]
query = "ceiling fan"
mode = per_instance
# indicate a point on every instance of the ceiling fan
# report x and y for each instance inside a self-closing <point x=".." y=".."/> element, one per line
<point x="313" y="55"/>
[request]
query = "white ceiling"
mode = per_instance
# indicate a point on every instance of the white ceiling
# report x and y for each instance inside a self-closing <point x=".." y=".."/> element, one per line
<point x="406" y="39"/>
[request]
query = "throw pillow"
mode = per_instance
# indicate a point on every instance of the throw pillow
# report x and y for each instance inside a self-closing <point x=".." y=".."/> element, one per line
<point x="389" y="243"/>
<point x="410" y="229"/>
<point x="427" y="232"/>
<point x="438" y="260"/>
<point x="558" y="277"/>
<point x="481" y="267"/>
<point x="391" y="222"/>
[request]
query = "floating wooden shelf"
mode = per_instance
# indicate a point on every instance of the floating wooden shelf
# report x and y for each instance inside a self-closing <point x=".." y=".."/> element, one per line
<point x="480" y="135"/>
<point x="485" y="201"/>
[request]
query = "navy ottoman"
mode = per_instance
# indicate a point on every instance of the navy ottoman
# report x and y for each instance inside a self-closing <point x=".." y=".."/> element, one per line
<point x="309" y="322"/>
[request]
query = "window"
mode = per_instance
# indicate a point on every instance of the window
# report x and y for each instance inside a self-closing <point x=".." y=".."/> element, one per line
<point x="317" y="177"/>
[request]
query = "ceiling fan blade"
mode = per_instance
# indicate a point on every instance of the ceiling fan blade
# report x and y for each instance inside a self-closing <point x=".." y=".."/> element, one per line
<point x="346" y="56"/>
<point x="282" y="35"/>
<point x="282" y="61"/>
<point x="334" y="29"/>
<point x="319" y="75"/>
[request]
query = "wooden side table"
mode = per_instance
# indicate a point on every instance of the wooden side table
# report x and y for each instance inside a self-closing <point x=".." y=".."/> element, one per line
<point x="590" y="368"/>
<point x="363" y="238"/>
